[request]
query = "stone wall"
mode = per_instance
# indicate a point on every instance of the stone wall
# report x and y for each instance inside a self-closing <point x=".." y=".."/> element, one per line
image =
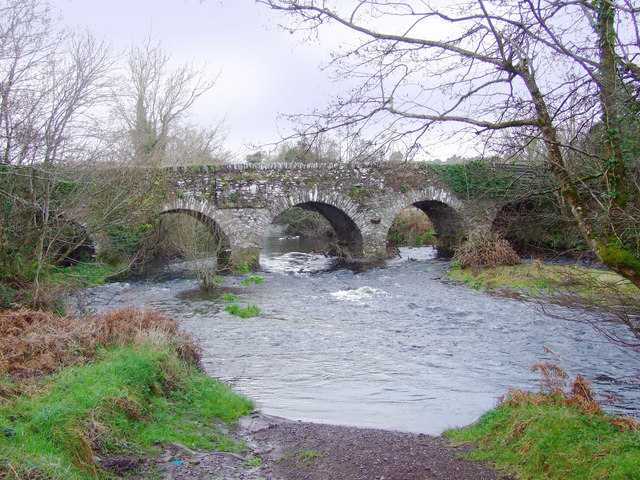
<point x="361" y="201"/>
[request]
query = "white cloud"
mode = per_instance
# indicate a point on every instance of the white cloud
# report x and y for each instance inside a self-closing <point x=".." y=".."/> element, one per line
<point x="263" y="70"/>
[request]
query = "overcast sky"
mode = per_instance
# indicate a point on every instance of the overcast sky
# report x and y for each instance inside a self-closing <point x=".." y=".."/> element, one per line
<point x="264" y="71"/>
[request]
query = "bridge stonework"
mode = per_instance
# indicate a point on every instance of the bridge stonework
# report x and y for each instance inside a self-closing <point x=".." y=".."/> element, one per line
<point x="239" y="202"/>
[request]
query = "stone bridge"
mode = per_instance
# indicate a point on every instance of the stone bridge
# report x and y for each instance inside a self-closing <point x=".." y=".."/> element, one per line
<point x="239" y="202"/>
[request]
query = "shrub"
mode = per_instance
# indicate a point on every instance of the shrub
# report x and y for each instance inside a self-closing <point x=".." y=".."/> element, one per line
<point x="485" y="248"/>
<point x="8" y="295"/>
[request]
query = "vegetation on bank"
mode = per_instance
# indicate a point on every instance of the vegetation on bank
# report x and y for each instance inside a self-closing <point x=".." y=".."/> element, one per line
<point x="56" y="282"/>
<point x="74" y="392"/>
<point x="412" y="228"/>
<point x="601" y="299"/>
<point x="537" y="277"/>
<point x="555" y="434"/>
<point x="487" y="261"/>
<point x="485" y="248"/>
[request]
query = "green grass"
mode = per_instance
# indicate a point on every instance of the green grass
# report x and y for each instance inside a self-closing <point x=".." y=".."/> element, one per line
<point x="125" y="402"/>
<point x="552" y="442"/>
<point x="307" y="458"/>
<point x="426" y="238"/>
<point x="235" y="309"/>
<point x="243" y="267"/>
<point x="253" y="279"/>
<point x="252" y="461"/>
<point x="537" y="277"/>
<point x="304" y="458"/>
<point x="81" y="275"/>
<point x="246" y="312"/>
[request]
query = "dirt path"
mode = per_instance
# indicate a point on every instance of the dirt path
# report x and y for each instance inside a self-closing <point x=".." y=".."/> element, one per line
<point x="280" y="449"/>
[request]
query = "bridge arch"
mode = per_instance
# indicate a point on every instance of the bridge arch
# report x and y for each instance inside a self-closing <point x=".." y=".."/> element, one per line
<point x="361" y="202"/>
<point x="203" y="213"/>
<point x="444" y="211"/>
<point x="535" y="225"/>
<point x="71" y="240"/>
<point x="78" y="244"/>
<point x="341" y="213"/>
<point x="348" y="234"/>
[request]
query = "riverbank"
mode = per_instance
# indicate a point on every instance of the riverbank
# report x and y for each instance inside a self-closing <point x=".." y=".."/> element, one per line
<point x="119" y="395"/>
<point x="92" y="397"/>
<point x="277" y="448"/>
<point x="530" y="436"/>
<point x="535" y="277"/>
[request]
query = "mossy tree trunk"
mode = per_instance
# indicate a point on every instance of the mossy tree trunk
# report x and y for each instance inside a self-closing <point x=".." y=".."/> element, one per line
<point x="603" y="243"/>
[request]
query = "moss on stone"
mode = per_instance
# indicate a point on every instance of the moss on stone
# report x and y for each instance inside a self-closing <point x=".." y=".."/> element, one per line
<point x="615" y="257"/>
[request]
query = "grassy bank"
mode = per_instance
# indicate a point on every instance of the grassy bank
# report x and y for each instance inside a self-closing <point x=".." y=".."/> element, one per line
<point x="537" y="277"/>
<point x="76" y="392"/>
<point x="555" y="435"/>
<point x="83" y="275"/>
<point x="54" y="284"/>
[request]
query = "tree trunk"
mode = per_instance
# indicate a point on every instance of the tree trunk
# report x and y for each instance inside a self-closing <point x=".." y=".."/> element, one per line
<point x="615" y="258"/>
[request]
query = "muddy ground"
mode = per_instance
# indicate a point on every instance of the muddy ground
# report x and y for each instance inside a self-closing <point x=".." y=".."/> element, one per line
<point x="280" y="449"/>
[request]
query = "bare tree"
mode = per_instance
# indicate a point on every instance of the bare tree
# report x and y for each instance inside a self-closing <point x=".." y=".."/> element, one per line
<point x="26" y="42"/>
<point x="320" y="149"/>
<point x="61" y="175"/>
<point x="186" y="237"/>
<point x="195" y="145"/>
<point x="154" y="98"/>
<point x="51" y="81"/>
<point x="558" y="71"/>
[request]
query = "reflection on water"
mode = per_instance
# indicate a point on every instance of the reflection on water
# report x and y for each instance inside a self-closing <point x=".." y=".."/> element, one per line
<point x="391" y="348"/>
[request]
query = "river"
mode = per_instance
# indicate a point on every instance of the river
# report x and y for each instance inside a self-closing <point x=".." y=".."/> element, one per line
<point x="397" y="347"/>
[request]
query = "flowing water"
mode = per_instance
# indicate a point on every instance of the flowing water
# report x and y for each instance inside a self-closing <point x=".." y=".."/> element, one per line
<point x="396" y="347"/>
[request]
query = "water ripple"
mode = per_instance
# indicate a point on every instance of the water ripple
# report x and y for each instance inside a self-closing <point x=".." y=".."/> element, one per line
<point x="390" y="348"/>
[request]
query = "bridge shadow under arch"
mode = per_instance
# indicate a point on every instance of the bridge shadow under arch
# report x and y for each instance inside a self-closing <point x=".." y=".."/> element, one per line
<point x="447" y="222"/>
<point x="223" y="249"/>
<point x="536" y="225"/>
<point x="83" y="244"/>
<point x="349" y="237"/>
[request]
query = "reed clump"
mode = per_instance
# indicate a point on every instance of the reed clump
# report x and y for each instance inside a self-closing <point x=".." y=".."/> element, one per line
<point x="554" y="390"/>
<point x="485" y="248"/>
